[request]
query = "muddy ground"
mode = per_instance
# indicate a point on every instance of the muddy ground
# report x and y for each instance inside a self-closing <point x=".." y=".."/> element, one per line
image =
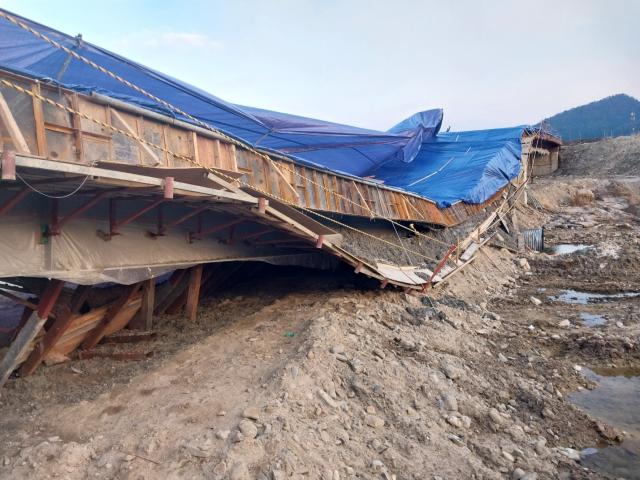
<point x="307" y="375"/>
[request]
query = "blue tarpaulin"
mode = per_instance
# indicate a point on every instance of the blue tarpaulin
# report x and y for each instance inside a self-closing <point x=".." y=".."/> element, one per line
<point x="413" y="155"/>
<point x="459" y="166"/>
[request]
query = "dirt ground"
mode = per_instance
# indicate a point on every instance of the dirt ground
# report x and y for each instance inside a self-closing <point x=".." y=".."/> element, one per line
<point x="306" y="375"/>
<point x="610" y="156"/>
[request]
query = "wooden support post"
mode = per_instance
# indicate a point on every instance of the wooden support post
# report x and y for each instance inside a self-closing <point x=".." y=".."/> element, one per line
<point x="193" y="292"/>
<point x="38" y="116"/>
<point x="95" y="335"/>
<point x="8" y="165"/>
<point x="44" y="346"/>
<point x="144" y="319"/>
<point x="31" y="328"/>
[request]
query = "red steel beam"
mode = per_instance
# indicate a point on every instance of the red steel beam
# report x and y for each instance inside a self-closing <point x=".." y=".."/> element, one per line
<point x="15" y="200"/>
<point x="208" y="231"/>
<point x="259" y="233"/>
<point x="57" y="223"/>
<point x="114" y="224"/>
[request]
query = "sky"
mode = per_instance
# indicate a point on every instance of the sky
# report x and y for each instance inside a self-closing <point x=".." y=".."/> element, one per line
<point x="487" y="63"/>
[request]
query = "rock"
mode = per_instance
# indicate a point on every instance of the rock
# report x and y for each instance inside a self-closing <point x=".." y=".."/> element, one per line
<point x="508" y="457"/>
<point x="337" y="349"/>
<point x="327" y="398"/>
<point x="530" y="476"/>
<point x="570" y="453"/>
<point x="517" y="474"/>
<point x="196" y="451"/>
<point x="541" y="448"/>
<point x="524" y="264"/>
<point x="564" y="324"/>
<point x="495" y="416"/>
<point x="252" y="413"/>
<point x="370" y="409"/>
<point x="449" y="402"/>
<point x="619" y="324"/>
<point x="452" y="372"/>
<point x="455" y="421"/>
<point x="502" y="358"/>
<point x="223" y="434"/>
<point x="608" y="432"/>
<point x="379" y="353"/>
<point x="248" y="429"/>
<point x="548" y="413"/>
<point x="536" y="301"/>
<point x="374" y="421"/>
<point x="577" y="368"/>
<point x="239" y="471"/>
<point x="455" y="439"/>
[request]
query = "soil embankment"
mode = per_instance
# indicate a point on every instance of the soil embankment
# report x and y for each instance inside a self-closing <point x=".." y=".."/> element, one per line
<point x="318" y="377"/>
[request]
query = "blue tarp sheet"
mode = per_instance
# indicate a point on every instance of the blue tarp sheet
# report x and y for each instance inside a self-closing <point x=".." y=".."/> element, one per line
<point x="476" y="164"/>
<point x="459" y="166"/>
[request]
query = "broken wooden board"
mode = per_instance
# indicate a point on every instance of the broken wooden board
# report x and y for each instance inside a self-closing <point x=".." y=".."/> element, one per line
<point x="81" y="325"/>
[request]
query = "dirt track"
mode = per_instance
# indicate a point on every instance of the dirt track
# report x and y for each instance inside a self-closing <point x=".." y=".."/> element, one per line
<point x="317" y="377"/>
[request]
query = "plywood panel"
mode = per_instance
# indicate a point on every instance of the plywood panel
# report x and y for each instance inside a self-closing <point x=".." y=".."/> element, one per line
<point x="152" y="132"/>
<point x="125" y="149"/>
<point x="97" y="112"/>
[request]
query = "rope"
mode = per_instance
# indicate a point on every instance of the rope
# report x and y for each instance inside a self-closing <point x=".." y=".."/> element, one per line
<point x="199" y="122"/>
<point x="38" y="96"/>
<point x="53" y="196"/>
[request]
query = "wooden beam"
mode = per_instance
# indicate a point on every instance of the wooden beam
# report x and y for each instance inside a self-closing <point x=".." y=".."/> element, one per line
<point x="28" y="333"/>
<point x="38" y="116"/>
<point x="193" y="292"/>
<point x="18" y="299"/>
<point x="95" y="335"/>
<point x="283" y="178"/>
<point x="19" y="143"/>
<point x="44" y="346"/>
<point x="144" y="318"/>
<point x="148" y="301"/>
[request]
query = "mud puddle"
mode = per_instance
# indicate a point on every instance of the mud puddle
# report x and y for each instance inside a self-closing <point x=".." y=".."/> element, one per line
<point x="615" y="400"/>
<point x="569" y="248"/>
<point x="576" y="297"/>
<point x="592" y="320"/>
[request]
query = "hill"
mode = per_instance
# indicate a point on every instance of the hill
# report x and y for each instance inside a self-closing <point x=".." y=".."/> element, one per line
<point x="609" y="117"/>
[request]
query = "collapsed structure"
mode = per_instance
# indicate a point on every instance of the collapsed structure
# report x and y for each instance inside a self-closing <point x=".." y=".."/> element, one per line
<point x="113" y="172"/>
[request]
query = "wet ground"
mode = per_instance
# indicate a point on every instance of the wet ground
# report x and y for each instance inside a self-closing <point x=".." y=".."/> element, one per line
<point x="583" y="295"/>
<point x="615" y="400"/>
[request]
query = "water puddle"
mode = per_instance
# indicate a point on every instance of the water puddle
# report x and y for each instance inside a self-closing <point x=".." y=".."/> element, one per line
<point x="615" y="401"/>
<point x="569" y="248"/>
<point x="592" y="320"/>
<point x="582" y="298"/>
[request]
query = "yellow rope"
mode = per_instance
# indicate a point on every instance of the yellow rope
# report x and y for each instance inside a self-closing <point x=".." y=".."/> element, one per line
<point x="205" y="125"/>
<point x="40" y="97"/>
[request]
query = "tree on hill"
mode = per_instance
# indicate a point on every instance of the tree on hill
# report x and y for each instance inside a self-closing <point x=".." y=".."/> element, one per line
<point x="609" y="117"/>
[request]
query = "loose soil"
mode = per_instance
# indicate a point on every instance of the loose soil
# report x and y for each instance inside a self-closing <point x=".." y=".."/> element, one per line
<point x="306" y="375"/>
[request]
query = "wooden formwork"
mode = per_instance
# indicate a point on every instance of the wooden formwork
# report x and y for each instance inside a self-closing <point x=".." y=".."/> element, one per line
<point x="107" y="132"/>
